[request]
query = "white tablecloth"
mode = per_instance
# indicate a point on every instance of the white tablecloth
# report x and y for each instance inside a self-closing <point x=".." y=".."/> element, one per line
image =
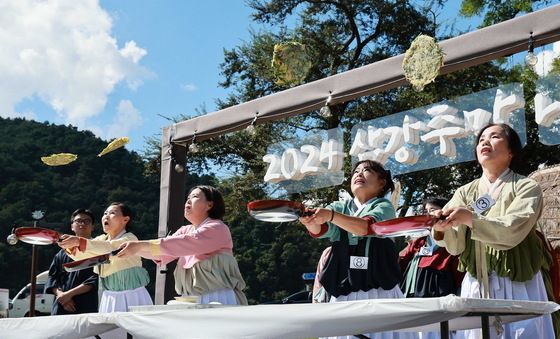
<point x="278" y="321"/>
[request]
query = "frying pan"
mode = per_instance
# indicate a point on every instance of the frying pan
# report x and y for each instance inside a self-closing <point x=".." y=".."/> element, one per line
<point x="276" y="210"/>
<point x="79" y="265"/>
<point x="285" y="210"/>
<point x="397" y="227"/>
<point x="36" y="235"/>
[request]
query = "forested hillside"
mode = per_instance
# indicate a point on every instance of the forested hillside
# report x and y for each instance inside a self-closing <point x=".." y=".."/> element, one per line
<point x="26" y="184"/>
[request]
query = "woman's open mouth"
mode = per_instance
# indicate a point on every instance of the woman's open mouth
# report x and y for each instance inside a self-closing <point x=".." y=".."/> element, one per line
<point x="485" y="150"/>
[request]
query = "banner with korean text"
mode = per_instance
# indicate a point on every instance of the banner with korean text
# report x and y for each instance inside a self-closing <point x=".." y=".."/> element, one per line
<point x="421" y="138"/>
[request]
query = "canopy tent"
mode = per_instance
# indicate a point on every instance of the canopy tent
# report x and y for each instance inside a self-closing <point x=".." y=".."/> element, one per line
<point x="464" y="51"/>
<point x="461" y="52"/>
<point x="282" y="321"/>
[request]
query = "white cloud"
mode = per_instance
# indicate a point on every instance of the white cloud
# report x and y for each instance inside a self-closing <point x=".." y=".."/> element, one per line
<point x="62" y="52"/>
<point x="189" y="87"/>
<point x="126" y="119"/>
<point x="133" y="52"/>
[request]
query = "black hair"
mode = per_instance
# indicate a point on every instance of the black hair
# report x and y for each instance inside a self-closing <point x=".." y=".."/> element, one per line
<point x="438" y="201"/>
<point x="514" y="142"/>
<point x="381" y="172"/>
<point x="126" y="211"/>
<point x="212" y="194"/>
<point x="82" y="211"/>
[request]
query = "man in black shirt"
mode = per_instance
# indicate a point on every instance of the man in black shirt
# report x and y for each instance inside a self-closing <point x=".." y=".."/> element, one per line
<point x="76" y="292"/>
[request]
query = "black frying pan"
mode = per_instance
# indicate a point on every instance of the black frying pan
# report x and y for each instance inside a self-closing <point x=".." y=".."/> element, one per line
<point x="89" y="262"/>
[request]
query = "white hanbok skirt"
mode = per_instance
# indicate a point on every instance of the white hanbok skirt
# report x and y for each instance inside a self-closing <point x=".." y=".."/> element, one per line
<point x="504" y="288"/>
<point x="224" y="296"/>
<point x="378" y="293"/>
<point x="119" y="301"/>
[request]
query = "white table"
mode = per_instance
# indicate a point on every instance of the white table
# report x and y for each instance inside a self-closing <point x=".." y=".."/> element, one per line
<point x="282" y="321"/>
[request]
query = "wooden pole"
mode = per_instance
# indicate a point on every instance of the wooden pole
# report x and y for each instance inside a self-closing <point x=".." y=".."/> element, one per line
<point x="33" y="287"/>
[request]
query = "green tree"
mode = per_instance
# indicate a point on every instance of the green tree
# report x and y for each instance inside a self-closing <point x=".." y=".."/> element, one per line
<point x="498" y="11"/>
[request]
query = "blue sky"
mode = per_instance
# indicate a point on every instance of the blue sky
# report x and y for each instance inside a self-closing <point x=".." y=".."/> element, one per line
<point x="120" y="64"/>
<point x="185" y="42"/>
<point x="115" y="67"/>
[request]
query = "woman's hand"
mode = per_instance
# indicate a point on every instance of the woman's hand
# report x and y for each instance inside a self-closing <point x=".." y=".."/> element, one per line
<point x="322" y="215"/>
<point x="319" y="216"/>
<point x="454" y="216"/>
<point x="129" y="249"/>
<point x="69" y="241"/>
<point x="313" y="221"/>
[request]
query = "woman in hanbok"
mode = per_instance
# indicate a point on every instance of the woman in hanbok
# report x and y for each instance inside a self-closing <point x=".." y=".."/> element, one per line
<point x="491" y="223"/>
<point x="429" y="270"/>
<point x="206" y="268"/>
<point x="360" y="265"/>
<point x="123" y="280"/>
